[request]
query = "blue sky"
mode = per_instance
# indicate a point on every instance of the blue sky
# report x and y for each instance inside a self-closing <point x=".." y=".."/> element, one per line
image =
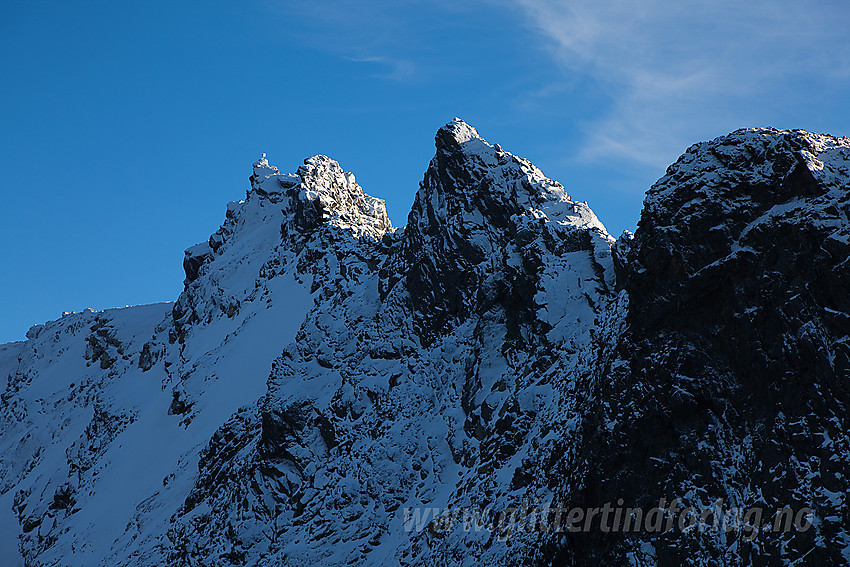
<point x="127" y="127"/>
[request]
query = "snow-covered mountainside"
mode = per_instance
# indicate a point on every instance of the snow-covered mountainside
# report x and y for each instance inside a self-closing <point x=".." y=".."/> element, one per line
<point x="324" y="375"/>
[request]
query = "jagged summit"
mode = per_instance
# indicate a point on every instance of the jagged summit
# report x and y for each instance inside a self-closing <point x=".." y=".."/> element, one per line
<point x="460" y="147"/>
<point x="322" y="192"/>
<point x="471" y="187"/>
<point x="455" y="133"/>
<point x="336" y="198"/>
<point x="282" y="214"/>
<point x="477" y="211"/>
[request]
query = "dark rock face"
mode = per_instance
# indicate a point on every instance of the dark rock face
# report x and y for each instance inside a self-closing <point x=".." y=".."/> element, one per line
<point x="733" y="378"/>
<point x="194" y="258"/>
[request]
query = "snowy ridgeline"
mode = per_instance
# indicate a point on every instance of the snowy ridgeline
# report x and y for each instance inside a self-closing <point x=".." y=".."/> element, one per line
<point x="323" y="372"/>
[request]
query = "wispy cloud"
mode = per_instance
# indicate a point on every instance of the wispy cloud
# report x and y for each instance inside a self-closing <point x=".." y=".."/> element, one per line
<point x="678" y="69"/>
<point x="400" y="70"/>
<point x="665" y="72"/>
<point x="384" y="33"/>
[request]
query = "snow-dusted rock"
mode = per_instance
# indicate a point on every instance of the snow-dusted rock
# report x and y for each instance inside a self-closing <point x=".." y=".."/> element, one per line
<point x="731" y="379"/>
<point x="323" y="372"/>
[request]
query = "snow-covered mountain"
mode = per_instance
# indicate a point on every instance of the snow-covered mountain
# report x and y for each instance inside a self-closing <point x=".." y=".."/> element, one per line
<point x="324" y="375"/>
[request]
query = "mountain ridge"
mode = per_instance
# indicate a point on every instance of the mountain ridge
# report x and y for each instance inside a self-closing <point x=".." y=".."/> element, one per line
<point x="323" y="371"/>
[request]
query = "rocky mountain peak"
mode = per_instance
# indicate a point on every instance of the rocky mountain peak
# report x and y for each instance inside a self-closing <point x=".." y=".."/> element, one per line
<point x="748" y="159"/>
<point x="329" y="194"/>
<point x="280" y="215"/>
<point x="468" y="171"/>
<point x="484" y="215"/>
<point x="456" y="133"/>
<point x="750" y="183"/>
